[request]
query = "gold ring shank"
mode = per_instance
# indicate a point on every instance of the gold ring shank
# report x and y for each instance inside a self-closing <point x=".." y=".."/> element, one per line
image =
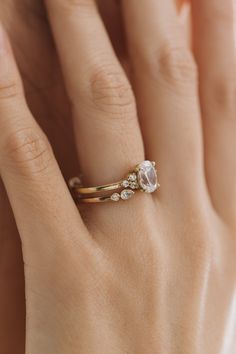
<point x="94" y="200"/>
<point x="98" y="189"/>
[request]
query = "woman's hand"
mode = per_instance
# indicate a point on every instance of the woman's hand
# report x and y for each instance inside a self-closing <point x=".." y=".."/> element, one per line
<point x="157" y="273"/>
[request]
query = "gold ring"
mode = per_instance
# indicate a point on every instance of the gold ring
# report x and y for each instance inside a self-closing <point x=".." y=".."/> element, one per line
<point x="143" y="178"/>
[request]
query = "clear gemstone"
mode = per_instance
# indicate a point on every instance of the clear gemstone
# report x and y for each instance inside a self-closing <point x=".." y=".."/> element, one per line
<point x="133" y="185"/>
<point x="125" y="184"/>
<point x="126" y="194"/>
<point x="147" y="177"/>
<point x="74" y="182"/>
<point x="132" y="177"/>
<point x="115" y="197"/>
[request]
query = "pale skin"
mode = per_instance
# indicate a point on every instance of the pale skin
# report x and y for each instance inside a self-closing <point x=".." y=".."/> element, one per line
<point x="156" y="274"/>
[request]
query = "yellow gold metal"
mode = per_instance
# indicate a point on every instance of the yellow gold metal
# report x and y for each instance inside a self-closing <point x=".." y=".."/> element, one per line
<point x="103" y="188"/>
<point x="121" y="190"/>
<point x="94" y="200"/>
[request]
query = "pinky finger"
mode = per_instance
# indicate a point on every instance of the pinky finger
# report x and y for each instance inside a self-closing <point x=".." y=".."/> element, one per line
<point x="44" y="210"/>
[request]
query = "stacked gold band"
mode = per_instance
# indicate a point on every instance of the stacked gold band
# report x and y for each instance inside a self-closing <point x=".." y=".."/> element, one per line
<point x="142" y="178"/>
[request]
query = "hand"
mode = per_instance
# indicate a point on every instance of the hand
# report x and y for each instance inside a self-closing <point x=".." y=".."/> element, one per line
<point x="160" y="260"/>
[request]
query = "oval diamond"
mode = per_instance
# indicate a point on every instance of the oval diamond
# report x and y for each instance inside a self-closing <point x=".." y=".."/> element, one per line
<point x="147" y="176"/>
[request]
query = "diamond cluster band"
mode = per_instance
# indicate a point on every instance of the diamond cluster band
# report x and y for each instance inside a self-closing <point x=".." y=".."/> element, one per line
<point x="143" y="178"/>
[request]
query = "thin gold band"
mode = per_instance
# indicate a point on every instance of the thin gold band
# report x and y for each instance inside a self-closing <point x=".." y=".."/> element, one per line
<point x="94" y="200"/>
<point x="98" y="189"/>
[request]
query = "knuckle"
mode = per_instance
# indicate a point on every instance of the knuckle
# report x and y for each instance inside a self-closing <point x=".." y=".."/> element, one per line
<point x="28" y="151"/>
<point x="9" y="90"/>
<point x="176" y="64"/>
<point x="173" y="64"/>
<point x="224" y="95"/>
<point x="111" y="92"/>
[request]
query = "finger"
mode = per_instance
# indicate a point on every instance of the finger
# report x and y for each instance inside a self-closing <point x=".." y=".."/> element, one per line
<point x="106" y="125"/>
<point x="214" y="44"/>
<point x="165" y="82"/>
<point x="44" y="210"/>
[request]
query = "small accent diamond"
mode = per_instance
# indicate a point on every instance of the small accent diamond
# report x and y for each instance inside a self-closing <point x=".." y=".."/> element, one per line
<point x="115" y="197"/>
<point x="74" y="182"/>
<point x="126" y="194"/>
<point x="132" y="177"/>
<point x="133" y="185"/>
<point x="125" y="183"/>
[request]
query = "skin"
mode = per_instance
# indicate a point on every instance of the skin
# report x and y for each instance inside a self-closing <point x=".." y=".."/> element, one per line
<point x="157" y="273"/>
<point x="28" y="28"/>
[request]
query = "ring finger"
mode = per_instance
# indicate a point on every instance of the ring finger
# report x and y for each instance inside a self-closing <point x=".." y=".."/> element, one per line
<point x="165" y="84"/>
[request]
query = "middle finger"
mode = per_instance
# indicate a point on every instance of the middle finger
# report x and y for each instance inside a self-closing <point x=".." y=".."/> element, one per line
<point x="107" y="129"/>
